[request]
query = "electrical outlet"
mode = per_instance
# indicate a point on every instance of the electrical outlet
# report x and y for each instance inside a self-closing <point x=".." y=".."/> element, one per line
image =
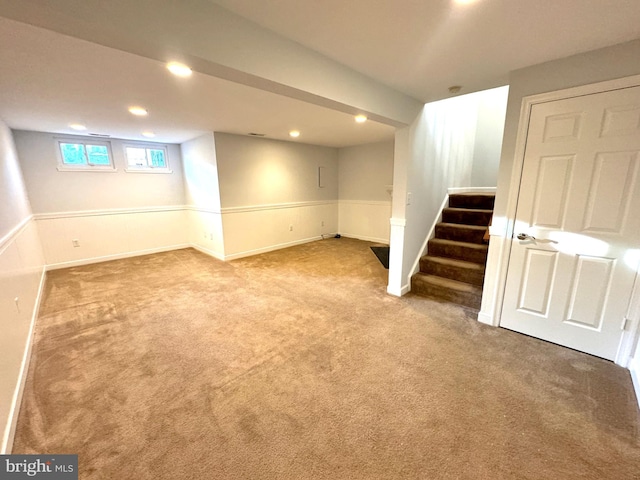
<point x="211" y="236"/>
<point x="409" y="198"/>
<point x="322" y="223"/>
<point x="291" y="228"/>
<point x="76" y="242"/>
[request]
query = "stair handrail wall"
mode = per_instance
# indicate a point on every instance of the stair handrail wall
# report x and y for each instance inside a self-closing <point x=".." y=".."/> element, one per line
<point x="425" y="245"/>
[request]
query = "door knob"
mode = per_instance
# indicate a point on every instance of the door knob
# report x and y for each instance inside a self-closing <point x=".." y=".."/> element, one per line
<point x="524" y="236"/>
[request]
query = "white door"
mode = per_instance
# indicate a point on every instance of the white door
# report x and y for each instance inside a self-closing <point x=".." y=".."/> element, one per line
<point x="570" y="280"/>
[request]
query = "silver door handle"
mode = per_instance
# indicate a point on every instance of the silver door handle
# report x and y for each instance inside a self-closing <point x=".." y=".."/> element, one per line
<point x="524" y="236"/>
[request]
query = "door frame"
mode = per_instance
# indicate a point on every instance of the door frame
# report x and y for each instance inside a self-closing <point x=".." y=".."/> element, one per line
<point x="632" y="330"/>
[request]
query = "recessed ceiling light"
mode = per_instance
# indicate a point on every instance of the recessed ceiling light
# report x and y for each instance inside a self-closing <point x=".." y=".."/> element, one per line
<point x="148" y="134"/>
<point x="77" y="126"/>
<point x="294" y="133"/>
<point x="139" y="111"/>
<point x="179" y="69"/>
<point x="465" y="2"/>
<point x="361" y="118"/>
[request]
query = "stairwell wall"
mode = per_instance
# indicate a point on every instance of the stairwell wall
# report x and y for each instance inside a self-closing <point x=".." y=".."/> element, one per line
<point x="442" y="151"/>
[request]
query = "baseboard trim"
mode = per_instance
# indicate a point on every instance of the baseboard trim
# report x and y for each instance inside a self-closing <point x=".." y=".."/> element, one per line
<point x="399" y="293"/>
<point x="271" y="248"/>
<point x="14" y="410"/>
<point x="116" y="256"/>
<point x="206" y="251"/>
<point x="365" y="238"/>
<point x="486" y="318"/>
<point x="634" y="368"/>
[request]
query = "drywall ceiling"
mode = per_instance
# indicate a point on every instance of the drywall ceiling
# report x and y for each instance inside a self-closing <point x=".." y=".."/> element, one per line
<point x="357" y="49"/>
<point x="421" y="47"/>
<point x="49" y="80"/>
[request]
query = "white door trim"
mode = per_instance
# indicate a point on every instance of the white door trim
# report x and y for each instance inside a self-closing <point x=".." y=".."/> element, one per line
<point x="622" y="358"/>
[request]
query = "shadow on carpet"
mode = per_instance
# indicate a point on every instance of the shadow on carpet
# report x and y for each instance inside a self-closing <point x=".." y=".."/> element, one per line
<point x="383" y="255"/>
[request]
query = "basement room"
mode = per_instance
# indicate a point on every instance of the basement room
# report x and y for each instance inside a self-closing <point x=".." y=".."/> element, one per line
<point x="246" y="239"/>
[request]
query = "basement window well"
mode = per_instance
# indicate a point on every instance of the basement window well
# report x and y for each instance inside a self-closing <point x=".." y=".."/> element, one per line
<point x="147" y="158"/>
<point x="77" y="155"/>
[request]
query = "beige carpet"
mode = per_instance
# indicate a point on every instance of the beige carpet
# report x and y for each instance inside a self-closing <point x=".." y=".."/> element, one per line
<point x="297" y="365"/>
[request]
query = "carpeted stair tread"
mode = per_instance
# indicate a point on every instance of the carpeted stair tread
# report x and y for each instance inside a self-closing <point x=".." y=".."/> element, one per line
<point x="446" y="289"/>
<point x="467" y="216"/>
<point x="479" y="228"/>
<point x="472" y="200"/>
<point x="461" y="233"/>
<point x="471" y="252"/>
<point x="453" y="269"/>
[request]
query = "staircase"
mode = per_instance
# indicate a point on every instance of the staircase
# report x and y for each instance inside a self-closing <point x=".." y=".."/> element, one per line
<point x="453" y="269"/>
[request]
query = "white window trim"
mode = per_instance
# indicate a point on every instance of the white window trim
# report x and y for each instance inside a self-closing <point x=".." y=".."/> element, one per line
<point x="146" y="169"/>
<point x="63" y="167"/>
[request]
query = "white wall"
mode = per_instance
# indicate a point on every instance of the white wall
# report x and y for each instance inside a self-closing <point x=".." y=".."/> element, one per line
<point x="596" y="66"/>
<point x="583" y="69"/>
<point x="52" y="191"/>
<point x="202" y="192"/>
<point x="365" y="178"/>
<point x="259" y="171"/>
<point x="492" y="109"/>
<point x="21" y="276"/>
<point x="269" y="193"/>
<point x="451" y="144"/>
<point x="14" y="207"/>
<point x="110" y="214"/>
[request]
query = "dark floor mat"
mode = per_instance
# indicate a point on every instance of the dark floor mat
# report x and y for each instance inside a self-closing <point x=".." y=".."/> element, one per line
<point x="383" y="255"/>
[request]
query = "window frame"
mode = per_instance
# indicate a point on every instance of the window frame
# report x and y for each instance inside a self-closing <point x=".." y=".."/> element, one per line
<point x="88" y="167"/>
<point x="147" y="168"/>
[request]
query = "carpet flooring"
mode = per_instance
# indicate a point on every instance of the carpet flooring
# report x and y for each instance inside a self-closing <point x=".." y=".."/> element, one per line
<point x="296" y="364"/>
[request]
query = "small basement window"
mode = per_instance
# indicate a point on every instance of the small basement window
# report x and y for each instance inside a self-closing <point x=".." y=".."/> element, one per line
<point x="84" y="155"/>
<point x="147" y="158"/>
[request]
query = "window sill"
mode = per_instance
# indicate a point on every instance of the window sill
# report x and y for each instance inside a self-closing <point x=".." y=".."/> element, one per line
<point x="148" y="170"/>
<point x="60" y="168"/>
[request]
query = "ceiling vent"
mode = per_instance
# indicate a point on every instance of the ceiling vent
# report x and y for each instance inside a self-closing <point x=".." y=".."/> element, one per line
<point x="252" y="134"/>
<point x="102" y="135"/>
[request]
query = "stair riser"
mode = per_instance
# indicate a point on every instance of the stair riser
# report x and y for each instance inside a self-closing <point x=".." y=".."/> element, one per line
<point x="461" y="274"/>
<point x="472" y="201"/>
<point x="460" y="234"/>
<point x="466" y="299"/>
<point x="441" y="277"/>
<point x="469" y="217"/>
<point x="460" y="253"/>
